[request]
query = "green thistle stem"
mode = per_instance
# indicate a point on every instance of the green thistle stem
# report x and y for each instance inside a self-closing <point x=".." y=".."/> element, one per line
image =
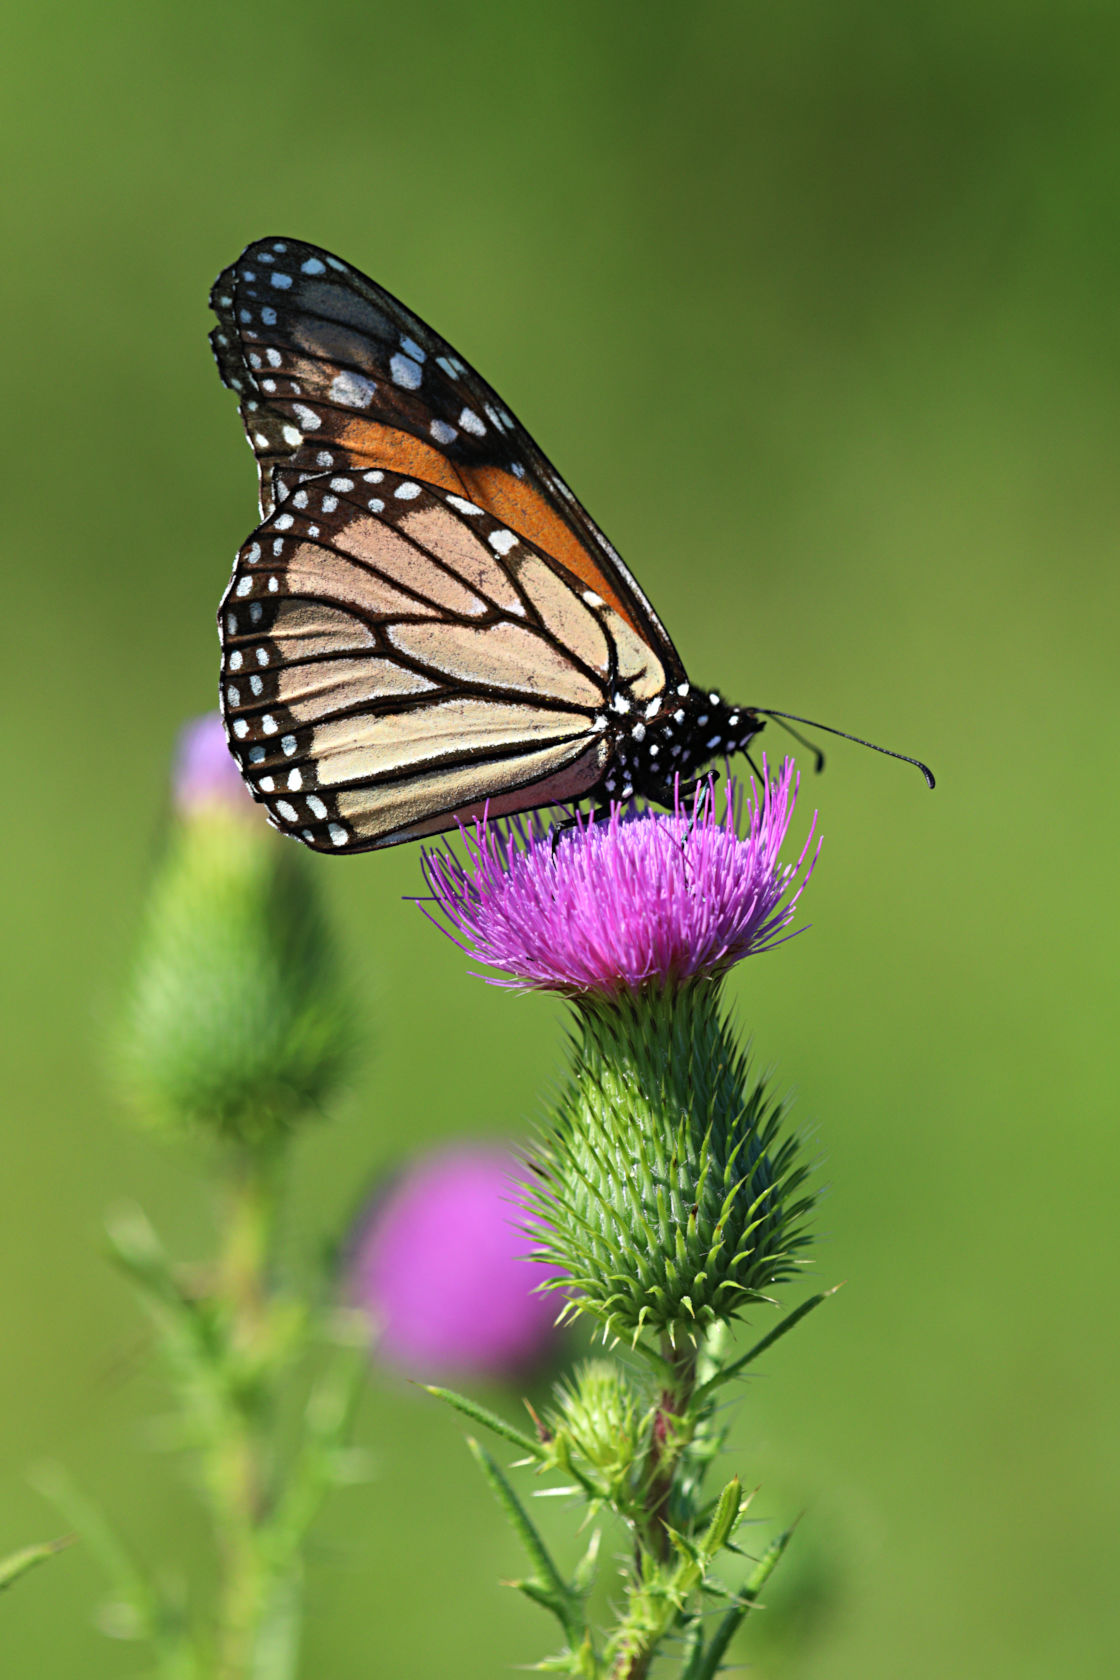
<point x="238" y="1476"/>
<point x="667" y="1442"/>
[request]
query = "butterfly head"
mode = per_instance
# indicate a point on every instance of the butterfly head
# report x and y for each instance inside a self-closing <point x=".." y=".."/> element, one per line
<point x="673" y="737"/>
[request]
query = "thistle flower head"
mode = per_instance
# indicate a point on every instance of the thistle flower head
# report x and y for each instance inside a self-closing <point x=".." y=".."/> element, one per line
<point x="440" y="1268"/>
<point x="640" y="898"/>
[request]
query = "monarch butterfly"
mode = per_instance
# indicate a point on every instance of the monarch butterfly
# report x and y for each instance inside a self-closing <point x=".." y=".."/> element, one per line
<point x="426" y="622"/>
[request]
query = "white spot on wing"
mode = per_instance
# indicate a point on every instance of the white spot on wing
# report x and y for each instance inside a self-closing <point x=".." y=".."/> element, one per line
<point x="502" y="541"/>
<point x="406" y="372"/>
<point x="312" y="266"/>
<point x="292" y="437"/>
<point x="442" y="432"/>
<point x="307" y="417"/>
<point x="407" y="491"/>
<point x="337" y="834"/>
<point x="471" y="423"/>
<point x="352" y="389"/>
<point x="463" y="506"/>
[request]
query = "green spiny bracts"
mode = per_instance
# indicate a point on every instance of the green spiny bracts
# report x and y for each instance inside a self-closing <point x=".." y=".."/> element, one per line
<point x="667" y="1196"/>
<point x="599" y="1430"/>
<point x="235" y="1018"/>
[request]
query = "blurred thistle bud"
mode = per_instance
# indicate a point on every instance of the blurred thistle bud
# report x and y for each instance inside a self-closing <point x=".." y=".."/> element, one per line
<point x="667" y="1197"/>
<point x="440" y="1267"/>
<point x="235" y="1018"/>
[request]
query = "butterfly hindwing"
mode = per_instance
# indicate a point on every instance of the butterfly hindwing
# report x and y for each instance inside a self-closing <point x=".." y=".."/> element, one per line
<point x="394" y="656"/>
<point x="334" y="374"/>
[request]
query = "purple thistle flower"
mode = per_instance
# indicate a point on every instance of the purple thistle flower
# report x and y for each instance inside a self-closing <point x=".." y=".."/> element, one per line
<point x="641" y="897"/>
<point x="441" y="1268"/>
<point x="205" y="773"/>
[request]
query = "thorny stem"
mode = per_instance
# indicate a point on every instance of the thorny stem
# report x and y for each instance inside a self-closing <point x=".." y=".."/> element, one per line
<point x="662" y="1462"/>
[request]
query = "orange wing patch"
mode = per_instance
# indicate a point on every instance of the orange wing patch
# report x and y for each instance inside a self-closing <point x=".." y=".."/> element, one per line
<point x="512" y="500"/>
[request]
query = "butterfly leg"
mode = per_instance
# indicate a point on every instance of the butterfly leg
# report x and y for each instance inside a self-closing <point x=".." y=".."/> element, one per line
<point x="600" y="813"/>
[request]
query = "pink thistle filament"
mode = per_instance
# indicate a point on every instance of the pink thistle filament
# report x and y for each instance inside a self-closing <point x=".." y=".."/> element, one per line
<point x="638" y="898"/>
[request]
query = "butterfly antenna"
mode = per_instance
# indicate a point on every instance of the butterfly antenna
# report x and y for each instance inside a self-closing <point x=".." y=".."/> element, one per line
<point x="844" y="736"/>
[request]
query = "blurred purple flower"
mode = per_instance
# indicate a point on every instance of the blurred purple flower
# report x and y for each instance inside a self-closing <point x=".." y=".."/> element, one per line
<point x="643" y="896"/>
<point x="441" y="1267"/>
<point x="205" y="772"/>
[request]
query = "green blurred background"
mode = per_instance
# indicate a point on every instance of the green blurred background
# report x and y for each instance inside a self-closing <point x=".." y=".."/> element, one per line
<point x="815" y="307"/>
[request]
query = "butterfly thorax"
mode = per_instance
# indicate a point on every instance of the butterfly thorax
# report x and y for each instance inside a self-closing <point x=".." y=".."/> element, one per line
<point x="673" y="737"/>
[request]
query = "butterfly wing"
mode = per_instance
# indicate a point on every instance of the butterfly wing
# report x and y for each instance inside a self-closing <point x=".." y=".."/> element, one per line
<point x="394" y="658"/>
<point x="332" y="372"/>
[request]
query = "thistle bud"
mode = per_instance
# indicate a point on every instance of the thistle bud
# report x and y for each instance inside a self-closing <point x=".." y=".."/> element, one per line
<point x="668" y="1194"/>
<point x="234" y="1019"/>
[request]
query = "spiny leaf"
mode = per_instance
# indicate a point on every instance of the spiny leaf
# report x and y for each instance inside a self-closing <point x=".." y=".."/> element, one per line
<point x="549" y="1587"/>
<point x="705" y="1662"/>
<point x="766" y="1342"/>
<point x="489" y="1420"/>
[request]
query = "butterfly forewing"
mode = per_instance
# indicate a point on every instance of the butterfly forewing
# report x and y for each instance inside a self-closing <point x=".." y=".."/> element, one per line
<point x="394" y="657"/>
<point x="335" y="375"/>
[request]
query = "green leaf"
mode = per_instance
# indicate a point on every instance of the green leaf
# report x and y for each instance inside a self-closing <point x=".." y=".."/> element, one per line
<point x="11" y="1568"/>
<point x="547" y="1587"/>
<point x="154" y="1617"/>
<point x="704" y="1663"/>
<point x="766" y="1342"/>
<point x="489" y="1420"/>
<point x="724" y="1521"/>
